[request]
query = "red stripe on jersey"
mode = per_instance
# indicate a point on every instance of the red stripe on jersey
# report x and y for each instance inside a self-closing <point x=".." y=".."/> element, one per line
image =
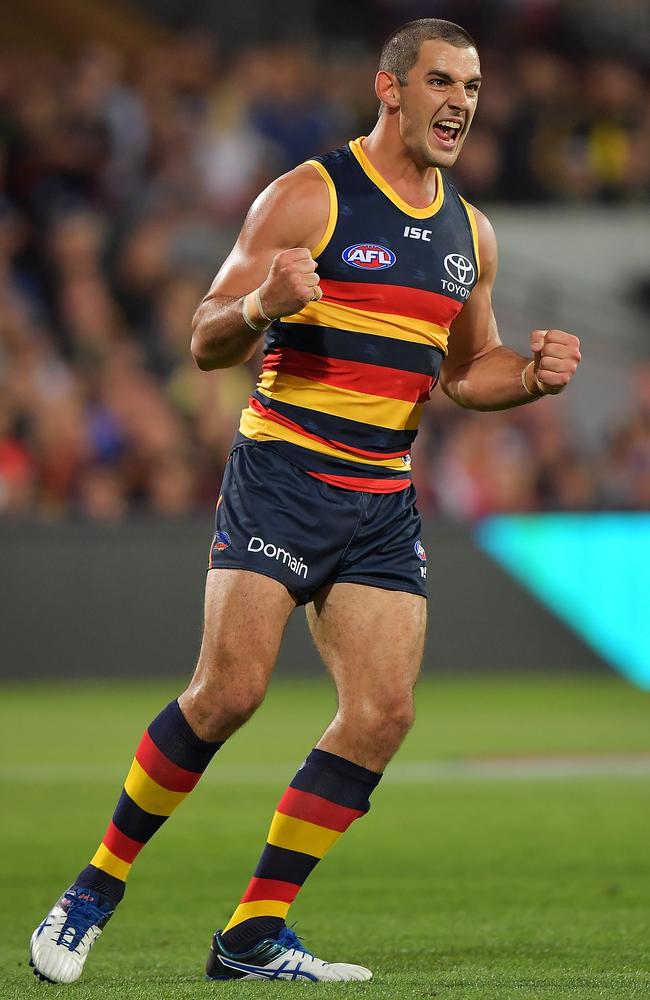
<point x="394" y="299"/>
<point x="279" y="418"/>
<point x="363" y="485"/>
<point x="315" y="809"/>
<point x="272" y="359"/>
<point x="270" y="888"/>
<point x="123" y="847"/>
<point x="162" y="770"/>
<point x="374" y="380"/>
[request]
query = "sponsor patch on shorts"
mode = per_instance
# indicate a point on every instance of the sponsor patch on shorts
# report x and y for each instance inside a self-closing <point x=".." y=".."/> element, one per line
<point x="271" y="551"/>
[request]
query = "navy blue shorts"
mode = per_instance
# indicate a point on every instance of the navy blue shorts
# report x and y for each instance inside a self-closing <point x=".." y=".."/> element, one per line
<point x="273" y="518"/>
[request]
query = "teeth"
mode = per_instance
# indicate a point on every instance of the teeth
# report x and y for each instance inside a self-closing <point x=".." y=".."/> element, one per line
<point x="447" y="124"/>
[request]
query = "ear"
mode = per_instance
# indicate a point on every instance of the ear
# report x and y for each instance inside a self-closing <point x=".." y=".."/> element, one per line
<point x="387" y="89"/>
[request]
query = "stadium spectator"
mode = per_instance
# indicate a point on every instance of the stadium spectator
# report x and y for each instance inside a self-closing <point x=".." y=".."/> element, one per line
<point x="121" y="187"/>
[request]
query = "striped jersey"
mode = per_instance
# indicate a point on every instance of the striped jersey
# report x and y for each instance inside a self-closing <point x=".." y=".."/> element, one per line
<point x="344" y="380"/>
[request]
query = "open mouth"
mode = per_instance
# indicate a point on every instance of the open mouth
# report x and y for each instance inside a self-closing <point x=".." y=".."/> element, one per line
<point x="447" y="132"/>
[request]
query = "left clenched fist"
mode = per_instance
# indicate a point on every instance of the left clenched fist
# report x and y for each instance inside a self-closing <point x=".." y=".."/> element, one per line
<point x="556" y="358"/>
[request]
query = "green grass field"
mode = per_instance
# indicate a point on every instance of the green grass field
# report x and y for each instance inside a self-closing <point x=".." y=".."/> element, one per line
<point x="484" y="870"/>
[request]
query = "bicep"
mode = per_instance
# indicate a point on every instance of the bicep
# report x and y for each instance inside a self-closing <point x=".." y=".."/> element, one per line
<point x="244" y="270"/>
<point x="474" y="332"/>
<point x="291" y="212"/>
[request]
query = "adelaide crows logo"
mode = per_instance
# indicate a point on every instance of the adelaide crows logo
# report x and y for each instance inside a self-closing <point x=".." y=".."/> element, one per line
<point x="221" y="541"/>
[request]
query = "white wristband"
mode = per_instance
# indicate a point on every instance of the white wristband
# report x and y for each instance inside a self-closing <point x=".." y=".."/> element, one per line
<point x="523" y="376"/>
<point x="257" y="327"/>
<point x="260" y="309"/>
<point x="540" y="385"/>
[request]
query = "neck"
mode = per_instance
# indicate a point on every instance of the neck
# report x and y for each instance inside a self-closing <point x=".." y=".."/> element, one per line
<point x="386" y="150"/>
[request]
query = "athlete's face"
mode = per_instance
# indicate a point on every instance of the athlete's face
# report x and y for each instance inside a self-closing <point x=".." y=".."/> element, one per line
<point x="438" y="102"/>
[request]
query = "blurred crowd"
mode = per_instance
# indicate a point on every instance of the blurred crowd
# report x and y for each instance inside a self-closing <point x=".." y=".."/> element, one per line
<point x="122" y="188"/>
<point x="472" y="464"/>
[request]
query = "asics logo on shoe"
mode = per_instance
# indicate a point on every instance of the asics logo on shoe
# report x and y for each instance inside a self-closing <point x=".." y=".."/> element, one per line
<point x="283" y="971"/>
<point x="282" y="958"/>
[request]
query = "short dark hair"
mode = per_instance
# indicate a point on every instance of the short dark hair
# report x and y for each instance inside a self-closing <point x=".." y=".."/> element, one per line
<point x="401" y="49"/>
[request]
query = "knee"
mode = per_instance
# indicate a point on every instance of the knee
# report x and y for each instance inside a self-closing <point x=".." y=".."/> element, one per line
<point x="217" y="709"/>
<point x="387" y="720"/>
<point x="240" y="703"/>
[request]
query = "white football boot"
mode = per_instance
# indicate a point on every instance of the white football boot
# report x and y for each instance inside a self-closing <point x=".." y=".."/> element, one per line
<point x="284" y="957"/>
<point x="60" y="944"/>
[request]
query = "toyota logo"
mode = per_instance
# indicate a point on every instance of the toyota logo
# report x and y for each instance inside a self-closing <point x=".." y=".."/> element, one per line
<point x="459" y="268"/>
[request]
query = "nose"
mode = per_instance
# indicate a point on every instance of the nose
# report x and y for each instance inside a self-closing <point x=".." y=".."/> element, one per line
<point x="458" y="100"/>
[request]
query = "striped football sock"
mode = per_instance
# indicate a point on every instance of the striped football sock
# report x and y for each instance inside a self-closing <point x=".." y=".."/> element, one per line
<point x="168" y="763"/>
<point x="327" y="794"/>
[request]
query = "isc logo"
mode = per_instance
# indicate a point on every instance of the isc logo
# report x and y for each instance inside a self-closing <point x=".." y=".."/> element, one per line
<point x="415" y="233"/>
<point x="369" y="256"/>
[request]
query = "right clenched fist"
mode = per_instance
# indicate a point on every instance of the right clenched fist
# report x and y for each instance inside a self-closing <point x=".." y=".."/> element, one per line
<point x="292" y="282"/>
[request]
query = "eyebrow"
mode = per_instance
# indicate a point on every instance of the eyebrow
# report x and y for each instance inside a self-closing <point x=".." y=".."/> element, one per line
<point x="445" y="76"/>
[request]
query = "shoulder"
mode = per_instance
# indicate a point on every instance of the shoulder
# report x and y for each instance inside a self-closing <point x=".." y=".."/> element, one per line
<point x="302" y="189"/>
<point x="295" y="205"/>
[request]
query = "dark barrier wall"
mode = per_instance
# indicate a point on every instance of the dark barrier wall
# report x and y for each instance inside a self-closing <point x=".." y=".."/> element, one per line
<point x="79" y="600"/>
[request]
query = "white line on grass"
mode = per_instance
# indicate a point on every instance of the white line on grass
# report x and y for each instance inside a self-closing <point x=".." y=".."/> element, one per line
<point x="401" y="772"/>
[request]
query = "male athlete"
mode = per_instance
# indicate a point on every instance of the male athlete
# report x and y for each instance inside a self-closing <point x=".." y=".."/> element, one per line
<point x="372" y="279"/>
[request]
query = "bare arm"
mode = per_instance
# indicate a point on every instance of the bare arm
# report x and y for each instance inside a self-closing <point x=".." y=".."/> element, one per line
<point x="271" y="254"/>
<point x="479" y="372"/>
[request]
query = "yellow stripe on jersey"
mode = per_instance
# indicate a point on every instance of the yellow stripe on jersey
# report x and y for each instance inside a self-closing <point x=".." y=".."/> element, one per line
<point x="300" y="835"/>
<point x="108" y="862"/>
<point x="259" y="428"/>
<point x="415" y="331"/>
<point x="333" y="212"/>
<point x="472" y="224"/>
<point x="148" y="794"/>
<point x="383" y="185"/>
<point x="393" y="414"/>
<point x="258" y="908"/>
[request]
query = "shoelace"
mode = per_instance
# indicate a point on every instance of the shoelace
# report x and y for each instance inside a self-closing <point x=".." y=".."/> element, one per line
<point x="289" y="939"/>
<point x="80" y="917"/>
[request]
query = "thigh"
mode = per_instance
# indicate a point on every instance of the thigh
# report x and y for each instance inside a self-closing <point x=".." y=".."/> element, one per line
<point x="370" y="639"/>
<point x="245" y="618"/>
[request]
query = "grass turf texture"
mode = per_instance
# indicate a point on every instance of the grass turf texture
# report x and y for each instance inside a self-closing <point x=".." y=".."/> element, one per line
<point x="455" y="888"/>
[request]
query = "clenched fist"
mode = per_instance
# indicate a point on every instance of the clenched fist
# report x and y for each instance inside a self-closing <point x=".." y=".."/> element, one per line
<point x="556" y="358"/>
<point x="292" y="282"/>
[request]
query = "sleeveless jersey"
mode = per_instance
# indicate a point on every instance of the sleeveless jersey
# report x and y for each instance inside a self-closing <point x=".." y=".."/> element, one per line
<point x="344" y="380"/>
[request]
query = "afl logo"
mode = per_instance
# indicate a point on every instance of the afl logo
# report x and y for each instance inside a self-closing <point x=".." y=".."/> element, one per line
<point x="459" y="268"/>
<point x="221" y="541"/>
<point x="369" y="256"/>
<point x="420" y="551"/>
